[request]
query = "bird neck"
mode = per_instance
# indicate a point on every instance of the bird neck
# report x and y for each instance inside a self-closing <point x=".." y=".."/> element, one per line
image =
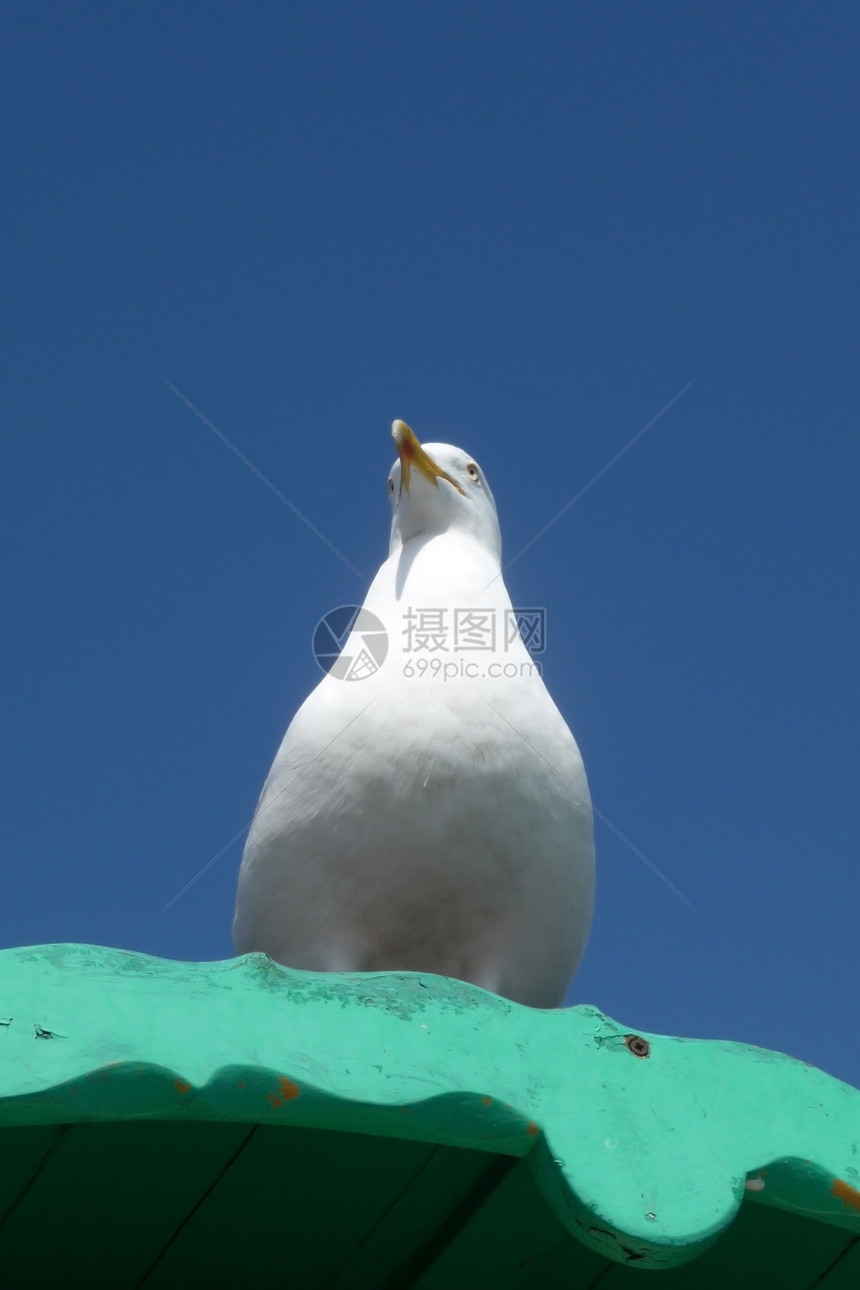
<point x="443" y="569"/>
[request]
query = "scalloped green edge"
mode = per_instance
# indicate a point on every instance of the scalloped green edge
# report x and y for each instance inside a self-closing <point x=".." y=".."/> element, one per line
<point x="637" y="1147"/>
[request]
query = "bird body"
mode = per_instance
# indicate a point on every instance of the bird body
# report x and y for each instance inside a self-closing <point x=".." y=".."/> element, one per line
<point x="432" y="818"/>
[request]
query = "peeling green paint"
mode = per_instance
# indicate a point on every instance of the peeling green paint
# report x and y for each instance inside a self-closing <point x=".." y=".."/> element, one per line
<point x="643" y="1145"/>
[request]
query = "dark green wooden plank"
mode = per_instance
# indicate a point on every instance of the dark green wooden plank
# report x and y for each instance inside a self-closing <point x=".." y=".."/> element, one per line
<point x="433" y="1196"/>
<point x="844" y="1272"/>
<point x="292" y="1208"/>
<point x="572" y="1264"/>
<point x="108" y="1198"/>
<point x="504" y="1241"/>
<point x="23" y="1153"/>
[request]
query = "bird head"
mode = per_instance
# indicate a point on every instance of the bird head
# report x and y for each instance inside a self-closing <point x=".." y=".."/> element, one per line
<point x="437" y="488"/>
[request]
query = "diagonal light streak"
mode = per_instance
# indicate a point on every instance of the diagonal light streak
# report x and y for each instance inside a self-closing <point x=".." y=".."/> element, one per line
<point x="586" y="802"/>
<point x="272" y="487"/>
<point x="257" y="812"/>
<point x="206" y="867"/>
<point x="599" y="475"/>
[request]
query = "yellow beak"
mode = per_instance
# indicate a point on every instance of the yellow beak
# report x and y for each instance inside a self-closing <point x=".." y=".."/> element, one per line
<point x="411" y="454"/>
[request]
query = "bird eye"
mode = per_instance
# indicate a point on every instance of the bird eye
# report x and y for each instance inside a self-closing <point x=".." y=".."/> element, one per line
<point x="472" y="472"/>
<point x="391" y="488"/>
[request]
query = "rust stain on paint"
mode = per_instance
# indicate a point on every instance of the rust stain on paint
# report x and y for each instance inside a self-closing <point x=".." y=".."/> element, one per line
<point x="532" y="1130"/>
<point x="289" y="1090"/>
<point x="488" y="1101"/>
<point x="846" y="1193"/>
<point x="181" y="1086"/>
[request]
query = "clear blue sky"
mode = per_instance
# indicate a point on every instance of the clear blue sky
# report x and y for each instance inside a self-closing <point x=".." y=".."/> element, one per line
<point x="521" y="228"/>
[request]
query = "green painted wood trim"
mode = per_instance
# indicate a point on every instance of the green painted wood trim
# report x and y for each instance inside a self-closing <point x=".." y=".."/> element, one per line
<point x="643" y="1145"/>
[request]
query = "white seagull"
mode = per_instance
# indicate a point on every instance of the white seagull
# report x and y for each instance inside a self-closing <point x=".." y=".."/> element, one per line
<point x="428" y="811"/>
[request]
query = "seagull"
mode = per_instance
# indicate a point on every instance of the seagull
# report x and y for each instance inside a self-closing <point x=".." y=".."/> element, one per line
<point x="428" y="808"/>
